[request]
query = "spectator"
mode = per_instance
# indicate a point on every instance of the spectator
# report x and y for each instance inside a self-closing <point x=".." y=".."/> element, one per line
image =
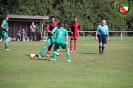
<point x="18" y="36"/>
<point x="32" y="31"/>
<point x="23" y="35"/>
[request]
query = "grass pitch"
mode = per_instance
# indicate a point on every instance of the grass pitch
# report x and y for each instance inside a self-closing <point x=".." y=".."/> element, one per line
<point x="88" y="69"/>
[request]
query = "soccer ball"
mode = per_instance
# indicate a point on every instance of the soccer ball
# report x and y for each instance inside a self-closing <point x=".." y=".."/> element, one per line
<point x="32" y="56"/>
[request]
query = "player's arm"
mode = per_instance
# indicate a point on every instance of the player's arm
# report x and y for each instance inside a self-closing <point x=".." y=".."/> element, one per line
<point x="96" y="35"/>
<point x="78" y="29"/>
<point x="70" y="29"/>
<point x="47" y="29"/>
<point x="67" y="37"/>
<point x="108" y="34"/>
<point x="2" y="26"/>
<point x="53" y="31"/>
<point x="31" y="27"/>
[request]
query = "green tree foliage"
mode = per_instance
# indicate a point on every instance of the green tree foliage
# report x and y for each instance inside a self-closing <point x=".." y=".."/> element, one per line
<point x="89" y="12"/>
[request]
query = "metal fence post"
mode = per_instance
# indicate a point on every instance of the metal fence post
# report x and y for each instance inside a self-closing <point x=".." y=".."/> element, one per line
<point x="83" y="36"/>
<point x="121" y="35"/>
<point x="44" y="35"/>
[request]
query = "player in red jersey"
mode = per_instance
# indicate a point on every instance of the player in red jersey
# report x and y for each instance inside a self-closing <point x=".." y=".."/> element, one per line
<point x="74" y="30"/>
<point x="49" y="27"/>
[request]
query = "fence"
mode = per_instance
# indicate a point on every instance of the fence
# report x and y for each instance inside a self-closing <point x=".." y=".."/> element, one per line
<point x="91" y="34"/>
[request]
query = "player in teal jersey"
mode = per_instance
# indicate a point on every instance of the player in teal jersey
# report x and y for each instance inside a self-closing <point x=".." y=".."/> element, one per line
<point x="50" y="41"/>
<point x="61" y="40"/>
<point x="4" y="31"/>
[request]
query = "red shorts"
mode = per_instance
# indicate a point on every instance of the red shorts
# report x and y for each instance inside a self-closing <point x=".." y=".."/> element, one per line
<point x="74" y="37"/>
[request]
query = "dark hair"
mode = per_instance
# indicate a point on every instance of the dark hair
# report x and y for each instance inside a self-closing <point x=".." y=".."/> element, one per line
<point x="52" y="17"/>
<point x="6" y="16"/>
<point x="60" y="24"/>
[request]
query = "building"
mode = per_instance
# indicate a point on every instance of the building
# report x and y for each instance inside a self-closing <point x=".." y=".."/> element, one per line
<point x="19" y="22"/>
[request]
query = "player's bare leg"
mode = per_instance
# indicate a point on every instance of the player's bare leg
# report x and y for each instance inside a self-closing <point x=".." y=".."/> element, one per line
<point x="49" y="48"/>
<point x="75" y="45"/>
<point x="0" y="39"/>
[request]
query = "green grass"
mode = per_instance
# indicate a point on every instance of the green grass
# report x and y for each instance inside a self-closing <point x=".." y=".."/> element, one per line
<point x="88" y="69"/>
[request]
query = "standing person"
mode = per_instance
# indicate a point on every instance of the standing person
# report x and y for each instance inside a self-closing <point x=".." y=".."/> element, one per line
<point x="61" y="40"/>
<point x="32" y="31"/>
<point x="49" y="28"/>
<point x="4" y="31"/>
<point x="74" y="30"/>
<point x="101" y="33"/>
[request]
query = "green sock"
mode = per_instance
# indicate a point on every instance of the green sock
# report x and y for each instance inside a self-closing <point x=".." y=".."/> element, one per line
<point x="68" y="56"/>
<point x="54" y="55"/>
<point x="6" y="45"/>
<point x="42" y="50"/>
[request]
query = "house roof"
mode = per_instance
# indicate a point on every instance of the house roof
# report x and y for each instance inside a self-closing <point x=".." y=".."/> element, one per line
<point x="28" y="17"/>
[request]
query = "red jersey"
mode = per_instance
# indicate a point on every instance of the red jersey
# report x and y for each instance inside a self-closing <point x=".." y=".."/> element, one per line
<point x="50" y="26"/>
<point x="74" y="27"/>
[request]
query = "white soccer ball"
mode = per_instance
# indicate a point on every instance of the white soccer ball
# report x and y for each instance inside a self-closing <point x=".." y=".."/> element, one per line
<point x="32" y="56"/>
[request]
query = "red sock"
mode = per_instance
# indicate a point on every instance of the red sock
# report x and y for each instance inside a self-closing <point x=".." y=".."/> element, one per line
<point x="49" y="48"/>
<point x="75" y="46"/>
<point x="71" y="45"/>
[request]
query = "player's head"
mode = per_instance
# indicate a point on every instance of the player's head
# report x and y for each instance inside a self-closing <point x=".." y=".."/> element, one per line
<point x="52" y="18"/>
<point x="23" y="30"/>
<point x="19" y="31"/>
<point x="103" y="22"/>
<point x="75" y="19"/>
<point x="60" y="24"/>
<point x="32" y="23"/>
<point x="6" y="17"/>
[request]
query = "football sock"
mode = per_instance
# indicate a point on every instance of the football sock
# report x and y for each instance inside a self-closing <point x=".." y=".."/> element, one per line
<point x="6" y="45"/>
<point x="49" y="48"/>
<point x="58" y="50"/>
<point x="54" y="55"/>
<point x="103" y="49"/>
<point x="100" y="49"/>
<point x="68" y="56"/>
<point x="42" y="50"/>
<point x="70" y="45"/>
<point x="75" y="46"/>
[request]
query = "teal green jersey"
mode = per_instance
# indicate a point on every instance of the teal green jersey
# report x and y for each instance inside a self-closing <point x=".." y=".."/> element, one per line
<point x="4" y="22"/>
<point x="51" y="39"/>
<point x="61" y="34"/>
<point x="3" y="32"/>
<point x="54" y="30"/>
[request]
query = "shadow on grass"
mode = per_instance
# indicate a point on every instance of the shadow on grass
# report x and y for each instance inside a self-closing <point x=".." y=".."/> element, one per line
<point x="43" y="59"/>
<point x="87" y="53"/>
<point x="37" y="58"/>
